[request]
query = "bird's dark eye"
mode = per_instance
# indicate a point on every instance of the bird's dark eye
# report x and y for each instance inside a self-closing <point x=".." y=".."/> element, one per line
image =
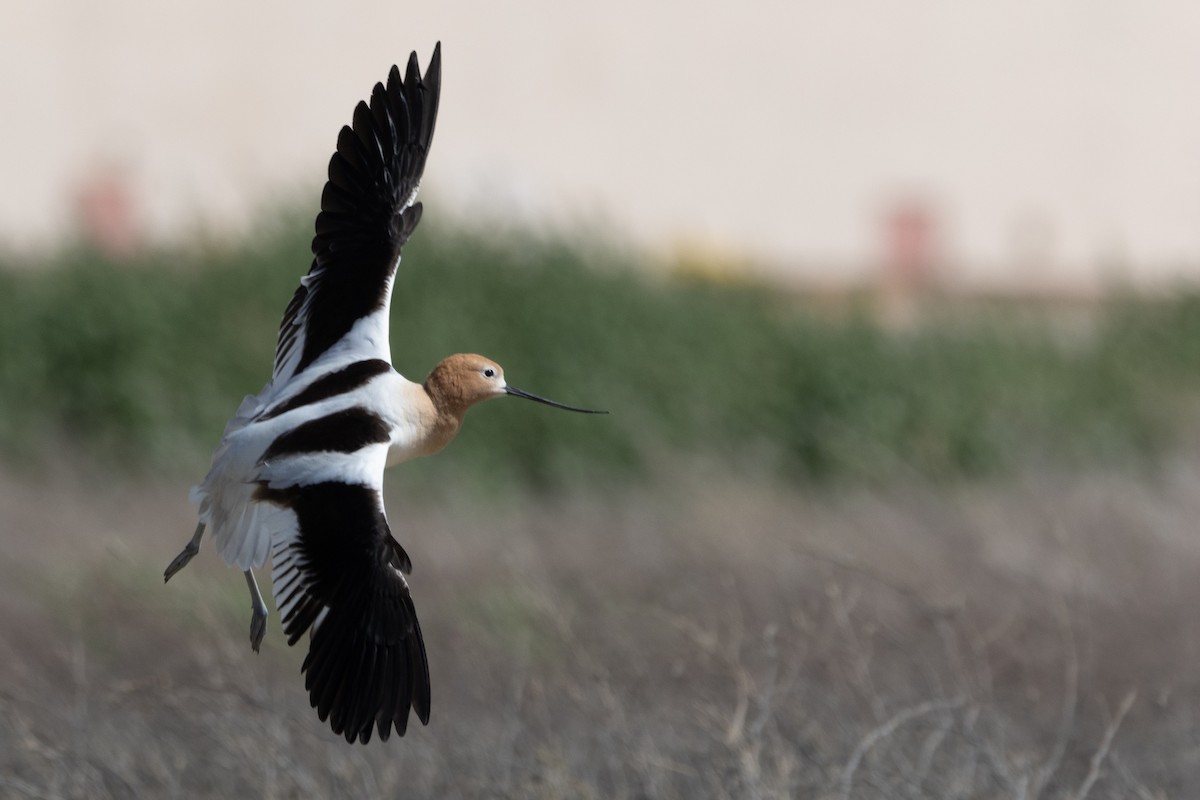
<point x="489" y="373"/>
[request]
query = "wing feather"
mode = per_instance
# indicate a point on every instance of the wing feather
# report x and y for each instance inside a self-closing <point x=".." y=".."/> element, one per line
<point x="368" y="211"/>
<point x="338" y="574"/>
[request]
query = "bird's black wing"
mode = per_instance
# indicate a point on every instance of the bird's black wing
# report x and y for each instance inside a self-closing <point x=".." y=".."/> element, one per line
<point x="368" y="211"/>
<point x="339" y="573"/>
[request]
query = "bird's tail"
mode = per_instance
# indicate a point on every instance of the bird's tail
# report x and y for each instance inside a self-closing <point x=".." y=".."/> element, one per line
<point x="240" y="525"/>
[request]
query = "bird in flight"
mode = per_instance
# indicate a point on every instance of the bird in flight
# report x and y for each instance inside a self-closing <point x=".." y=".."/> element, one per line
<point x="298" y="475"/>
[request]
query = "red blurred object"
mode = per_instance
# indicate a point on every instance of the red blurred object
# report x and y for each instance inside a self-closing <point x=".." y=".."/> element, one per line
<point x="107" y="213"/>
<point x="910" y="245"/>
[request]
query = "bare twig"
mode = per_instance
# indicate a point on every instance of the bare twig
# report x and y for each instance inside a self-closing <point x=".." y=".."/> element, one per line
<point x="737" y="721"/>
<point x="1016" y="786"/>
<point x="885" y="730"/>
<point x="1105" y="743"/>
<point x="1066" y="723"/>
<point x="767" y="692"/>
<point x="1142" y="791"/>
<point x="962" y="773"/>
<point x="929" y="749"/>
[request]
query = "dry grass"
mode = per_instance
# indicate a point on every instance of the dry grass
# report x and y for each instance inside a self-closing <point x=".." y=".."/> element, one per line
<point x="1031" y="639"/>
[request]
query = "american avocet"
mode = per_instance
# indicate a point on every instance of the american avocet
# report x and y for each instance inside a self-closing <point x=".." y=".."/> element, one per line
<point x="298" y="475"/>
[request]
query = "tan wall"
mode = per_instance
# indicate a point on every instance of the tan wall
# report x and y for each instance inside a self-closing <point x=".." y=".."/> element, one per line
<point x="1052" y="141"/>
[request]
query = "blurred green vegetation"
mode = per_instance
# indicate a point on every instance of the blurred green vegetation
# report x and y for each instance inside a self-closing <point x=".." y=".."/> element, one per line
<point x="137" y="365"/>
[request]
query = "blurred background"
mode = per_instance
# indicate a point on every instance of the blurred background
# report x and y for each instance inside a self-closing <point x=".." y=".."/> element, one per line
<point x="894" y="307"/>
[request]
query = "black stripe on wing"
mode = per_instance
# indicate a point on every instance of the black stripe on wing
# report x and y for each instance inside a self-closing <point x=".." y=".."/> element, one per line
<point x="366" y="664"/>
<point x="345" y="431"/>
<point x="341" y="381"/>
<point x="367" y="214"/>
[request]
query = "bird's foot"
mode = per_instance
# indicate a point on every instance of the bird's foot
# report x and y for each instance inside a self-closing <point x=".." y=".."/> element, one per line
<point x="190" y="549"/>
<point x="258" y="626"/>
<point x="181" y="560"/>
<point x="258" y="612"/>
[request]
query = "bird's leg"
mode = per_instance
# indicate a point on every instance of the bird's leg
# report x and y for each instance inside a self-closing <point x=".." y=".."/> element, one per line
<point x="258" y="618"/>
<point x="190" y="549"/>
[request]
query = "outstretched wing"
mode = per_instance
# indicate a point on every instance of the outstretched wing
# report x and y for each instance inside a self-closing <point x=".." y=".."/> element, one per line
<point x="368" y="211"/>
<point x="338" y="572"/>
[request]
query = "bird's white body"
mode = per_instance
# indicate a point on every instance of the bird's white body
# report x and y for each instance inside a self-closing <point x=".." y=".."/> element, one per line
<point x="298" y="475"/>
<point x="243" y="527"/>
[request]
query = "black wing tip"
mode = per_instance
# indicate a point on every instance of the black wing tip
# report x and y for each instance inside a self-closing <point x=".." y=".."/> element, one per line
<point x="385" y="146"/>
<point x="366" y="666"/>
<point x="432" y="79"/>
<point x="419" y="672"/>
<point x="367" y="669"/>
<point x="367" y="211"/>
<point x="357" y="710"/>
<point x="433" y="72"/>
<point x="413" y="67"/>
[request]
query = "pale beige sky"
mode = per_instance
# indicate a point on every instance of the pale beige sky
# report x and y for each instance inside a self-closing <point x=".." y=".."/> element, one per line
<point x="1052" y="136"/>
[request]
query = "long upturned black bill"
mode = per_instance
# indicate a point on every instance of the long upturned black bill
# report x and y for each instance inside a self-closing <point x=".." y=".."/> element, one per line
<point x="518" y="393"/>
